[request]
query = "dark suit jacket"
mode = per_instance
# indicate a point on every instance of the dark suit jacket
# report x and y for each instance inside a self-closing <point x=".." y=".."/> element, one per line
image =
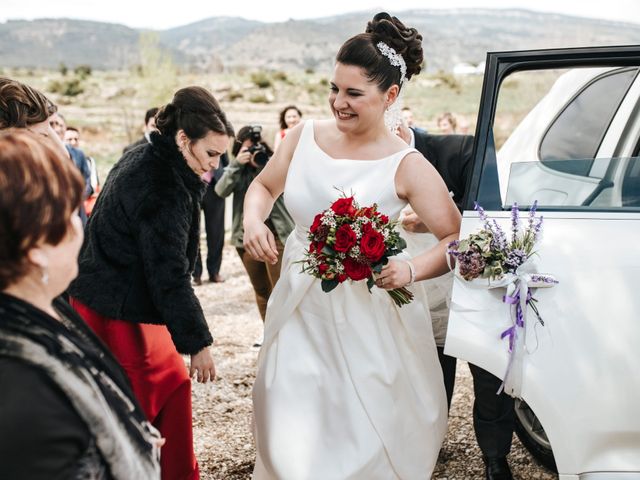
<point x="451" y="156"/>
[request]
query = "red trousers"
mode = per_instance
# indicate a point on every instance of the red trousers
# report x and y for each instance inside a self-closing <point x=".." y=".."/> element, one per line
<point x="160" y="381"/>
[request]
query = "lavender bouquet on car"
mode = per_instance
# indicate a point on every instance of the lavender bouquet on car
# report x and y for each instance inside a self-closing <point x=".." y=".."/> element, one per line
<point x="502" y="262"/>
<point x="488" y="254"/>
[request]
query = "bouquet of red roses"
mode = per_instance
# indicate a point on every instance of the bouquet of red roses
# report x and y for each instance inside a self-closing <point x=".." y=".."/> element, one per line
<point x="349" y="242"/>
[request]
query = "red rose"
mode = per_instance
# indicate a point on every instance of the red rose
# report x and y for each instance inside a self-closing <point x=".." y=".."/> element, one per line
<point x="342" y="277"/>
<point x="322" y="268"/>
<point x="384" y="219"/>
<point x="344" y="207"/>
<point x="345" y="239"/>
<point x="316" y="247"/>
<point x="317" y="221"/>
<point x="372" y="245"/>
<point x="355" y="270"/>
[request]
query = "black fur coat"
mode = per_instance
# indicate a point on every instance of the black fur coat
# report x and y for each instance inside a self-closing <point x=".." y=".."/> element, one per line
<point x="141" y="244"/>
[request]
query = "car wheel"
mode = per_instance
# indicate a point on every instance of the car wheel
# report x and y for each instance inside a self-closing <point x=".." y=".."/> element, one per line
<point x="532" y="435"/>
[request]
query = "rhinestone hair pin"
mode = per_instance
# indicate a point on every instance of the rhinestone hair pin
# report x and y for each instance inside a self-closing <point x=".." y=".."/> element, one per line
<point x="394" y="58"/>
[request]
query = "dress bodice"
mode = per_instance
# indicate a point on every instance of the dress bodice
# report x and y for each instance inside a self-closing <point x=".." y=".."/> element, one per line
<point x="315" y="180"/>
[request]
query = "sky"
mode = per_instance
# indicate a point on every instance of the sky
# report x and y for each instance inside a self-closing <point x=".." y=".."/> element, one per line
<point x="154" y="15"/>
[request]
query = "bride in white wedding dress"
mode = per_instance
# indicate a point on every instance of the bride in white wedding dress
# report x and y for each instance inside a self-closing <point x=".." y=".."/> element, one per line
<point x="349" y="385"/>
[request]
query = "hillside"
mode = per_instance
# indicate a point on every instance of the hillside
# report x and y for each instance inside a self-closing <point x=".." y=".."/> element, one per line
<point x="224" y="43"/>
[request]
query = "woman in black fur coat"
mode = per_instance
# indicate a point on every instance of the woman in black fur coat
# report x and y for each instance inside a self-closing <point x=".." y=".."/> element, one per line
<point x="141" y="243"/>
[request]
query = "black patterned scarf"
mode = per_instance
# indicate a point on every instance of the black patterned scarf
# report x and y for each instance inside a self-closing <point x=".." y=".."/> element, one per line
<point x="88" y="374"/>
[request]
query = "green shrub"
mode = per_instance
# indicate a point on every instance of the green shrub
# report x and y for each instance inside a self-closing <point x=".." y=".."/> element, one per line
<point x="235" y="95"/>
<point x="69" y="88"/>
<point x="449" y="81"/>
<point x="280" y="77"/>
<point x="259" y="98"/>
<point x="83" y="71"/>
<point x="261" y="80"/>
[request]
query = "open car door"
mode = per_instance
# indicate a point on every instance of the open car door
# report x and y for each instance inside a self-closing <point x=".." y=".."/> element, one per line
<point x="562" y="127"/>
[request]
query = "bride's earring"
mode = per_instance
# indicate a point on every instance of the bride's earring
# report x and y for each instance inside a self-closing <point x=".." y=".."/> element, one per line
<point x="45" y="276"/>
<point x="393" y="114"/>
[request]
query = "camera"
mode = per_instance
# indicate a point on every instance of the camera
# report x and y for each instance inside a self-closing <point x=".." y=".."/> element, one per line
<point x="257" y="149"/>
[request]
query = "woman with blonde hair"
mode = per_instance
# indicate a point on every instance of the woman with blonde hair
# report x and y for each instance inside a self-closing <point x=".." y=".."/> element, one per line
<point x="447" y="123"/>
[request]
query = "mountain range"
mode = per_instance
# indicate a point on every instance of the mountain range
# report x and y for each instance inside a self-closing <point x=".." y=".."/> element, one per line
<point x="225" y="43"/>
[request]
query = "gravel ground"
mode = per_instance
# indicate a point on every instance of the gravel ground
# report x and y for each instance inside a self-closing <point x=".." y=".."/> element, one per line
<point x="222" y="411"/>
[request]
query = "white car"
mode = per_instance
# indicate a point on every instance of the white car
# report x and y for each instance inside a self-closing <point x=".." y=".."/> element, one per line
<point x="577" y="154"/>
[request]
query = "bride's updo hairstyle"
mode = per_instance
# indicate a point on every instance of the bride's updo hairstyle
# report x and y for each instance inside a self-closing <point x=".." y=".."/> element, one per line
<point x="194" y="110"/>
<point x="362" y="51"/>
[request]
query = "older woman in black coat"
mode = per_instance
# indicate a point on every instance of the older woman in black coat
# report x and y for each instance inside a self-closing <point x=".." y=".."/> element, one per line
<point x="134" y="285"/>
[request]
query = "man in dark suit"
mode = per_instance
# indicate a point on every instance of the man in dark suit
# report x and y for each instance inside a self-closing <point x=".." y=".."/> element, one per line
<point x="149" y="126"/>
<point x="493" y="415"/>
<point x="213" y="208"/>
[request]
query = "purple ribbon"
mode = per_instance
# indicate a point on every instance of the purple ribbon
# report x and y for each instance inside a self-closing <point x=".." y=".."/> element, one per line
<point x="511" y="331"/>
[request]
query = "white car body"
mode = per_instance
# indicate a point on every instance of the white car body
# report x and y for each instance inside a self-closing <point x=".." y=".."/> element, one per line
<point x="581" y="370"/>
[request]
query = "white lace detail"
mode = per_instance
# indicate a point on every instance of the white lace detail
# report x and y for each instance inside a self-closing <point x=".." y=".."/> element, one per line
<point x="393" y="114"/>
<point x="395" y="59"/>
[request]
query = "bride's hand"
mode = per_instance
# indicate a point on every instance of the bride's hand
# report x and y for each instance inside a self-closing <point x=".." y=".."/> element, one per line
<point x="395" y="274"/>
<point x="259" y="242"/>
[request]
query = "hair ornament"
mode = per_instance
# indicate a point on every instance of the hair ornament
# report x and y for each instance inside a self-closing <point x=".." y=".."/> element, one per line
<point x="395" y="59"/>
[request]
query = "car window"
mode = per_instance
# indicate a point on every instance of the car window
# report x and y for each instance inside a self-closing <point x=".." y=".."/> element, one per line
<point x="631" y="184"/>
<point x="578" y="130"/>
<point x="561" y="142"/>
<point x="619" y="187"/>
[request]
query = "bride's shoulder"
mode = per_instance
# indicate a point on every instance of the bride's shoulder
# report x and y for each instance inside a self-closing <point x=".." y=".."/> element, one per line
<point x="324" y="127"/>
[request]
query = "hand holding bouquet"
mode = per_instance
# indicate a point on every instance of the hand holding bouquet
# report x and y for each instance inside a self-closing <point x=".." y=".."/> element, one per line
<point x="349" y="242"/>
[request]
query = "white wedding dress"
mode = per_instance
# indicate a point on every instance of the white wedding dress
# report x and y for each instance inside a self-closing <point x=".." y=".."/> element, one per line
<point x="349" y="385"/>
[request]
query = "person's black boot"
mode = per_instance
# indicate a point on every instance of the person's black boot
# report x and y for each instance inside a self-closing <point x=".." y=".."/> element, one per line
<point x="497" y="468"/>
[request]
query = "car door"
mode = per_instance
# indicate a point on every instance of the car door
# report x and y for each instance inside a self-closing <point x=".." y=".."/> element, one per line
<point x="563" y="127"/>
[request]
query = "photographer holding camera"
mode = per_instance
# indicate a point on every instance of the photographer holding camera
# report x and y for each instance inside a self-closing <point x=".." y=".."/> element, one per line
<point x="250" y="155"/>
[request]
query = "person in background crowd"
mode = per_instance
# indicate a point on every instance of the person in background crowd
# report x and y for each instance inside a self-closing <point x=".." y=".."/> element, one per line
<point x="67" y="409"/>
<point x="407" y="117"/>
<point x="408" y="120"/>
<point x="236" y="179"/>
<point x="72" y="138"/>
<point x="447" y="123"/>
<point x="134" y="286"/>
<point x="58" y="123"/>
<point x="149" y="126"/>
<point x="290" y="116"/>
<point x="462" y="125"/>
<point x="213" y="208"/>
<point x="22" y="106"/>
<point x="493" y="415"/>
